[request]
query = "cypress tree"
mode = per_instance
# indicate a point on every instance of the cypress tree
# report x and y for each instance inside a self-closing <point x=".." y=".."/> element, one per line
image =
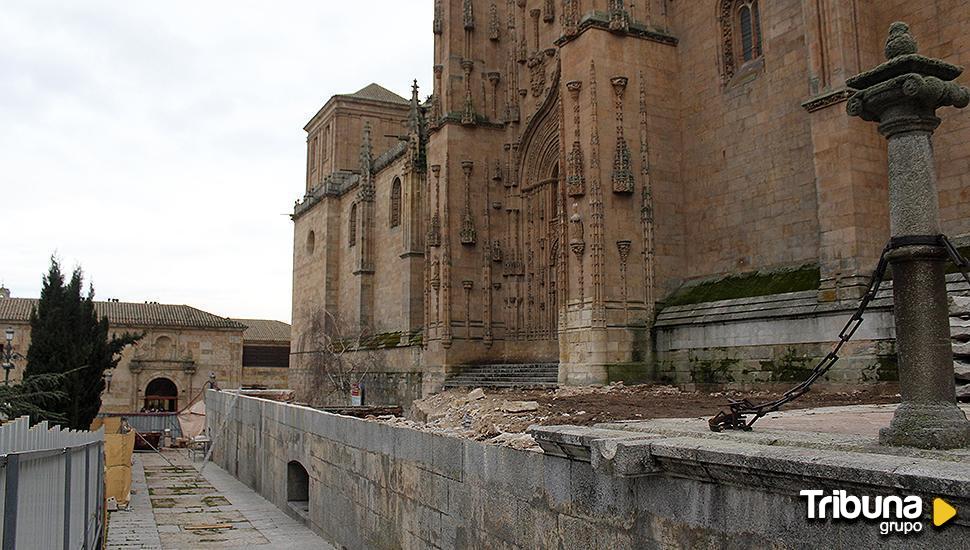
<point x="68" y="339"/>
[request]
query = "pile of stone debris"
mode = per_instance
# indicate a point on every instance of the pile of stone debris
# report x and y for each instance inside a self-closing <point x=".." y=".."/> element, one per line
<point x="960" y="333"/>
<point x="500" y="416"/>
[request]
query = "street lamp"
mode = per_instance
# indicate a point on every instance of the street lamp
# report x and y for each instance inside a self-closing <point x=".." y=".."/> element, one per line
<point x="7" y="354"/>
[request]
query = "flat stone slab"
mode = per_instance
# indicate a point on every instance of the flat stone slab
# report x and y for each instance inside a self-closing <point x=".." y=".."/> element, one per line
<point x="850" y="428"/>
<point x="826" y="448"/>
<point x="176" y="507"/>
<point x="959" y="305"/>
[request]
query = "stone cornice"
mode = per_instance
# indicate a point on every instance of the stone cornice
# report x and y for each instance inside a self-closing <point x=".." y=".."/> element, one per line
<point x="827" y="99"/>
<point x="778" y="461"/>
<point x="601" y="20"/>
<point x="454" y="118"/>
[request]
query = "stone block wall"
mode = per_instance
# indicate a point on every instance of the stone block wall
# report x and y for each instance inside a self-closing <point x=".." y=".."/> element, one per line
<point x="373" y="485"/>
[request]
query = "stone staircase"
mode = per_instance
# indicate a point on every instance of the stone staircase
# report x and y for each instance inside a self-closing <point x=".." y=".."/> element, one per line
<point x="529" y="375"/>
<point x="960" y="335"/>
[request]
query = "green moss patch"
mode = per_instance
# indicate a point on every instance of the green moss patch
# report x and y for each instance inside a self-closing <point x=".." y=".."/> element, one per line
<point x="790" y="367"/>
<point x="163" y="503"/>
<point x="712" y="371"/>
<point x="748" y="285"/>
<point x="215" y="500"/>
<point x="628" y="373"/>
<point x="887" y="368"/>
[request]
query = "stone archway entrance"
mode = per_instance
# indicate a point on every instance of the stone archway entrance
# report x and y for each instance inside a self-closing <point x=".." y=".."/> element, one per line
<point x="298" y="489"/>
<point x="532" y="270"/>
<point x="162" y="395"/>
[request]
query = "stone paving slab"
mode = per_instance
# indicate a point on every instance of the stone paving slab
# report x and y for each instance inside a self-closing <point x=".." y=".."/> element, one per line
<point x="171" y="504"/>
<point x="134" y="527"/>
<point x="849" y="428"/>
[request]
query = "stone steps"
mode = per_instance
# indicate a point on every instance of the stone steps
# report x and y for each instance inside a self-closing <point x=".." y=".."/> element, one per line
<point x="960" y="335"/>
<point x="505" y="376"/>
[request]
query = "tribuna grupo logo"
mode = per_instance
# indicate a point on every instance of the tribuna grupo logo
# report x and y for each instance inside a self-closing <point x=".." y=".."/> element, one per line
<point x="896" y="514"/>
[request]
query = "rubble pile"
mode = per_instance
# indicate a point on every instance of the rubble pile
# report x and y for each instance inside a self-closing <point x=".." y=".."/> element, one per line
<point x="502" y="416"/>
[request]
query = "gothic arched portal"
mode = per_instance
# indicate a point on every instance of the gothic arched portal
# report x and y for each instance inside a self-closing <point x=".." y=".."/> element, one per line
<point x="533" y="308"/>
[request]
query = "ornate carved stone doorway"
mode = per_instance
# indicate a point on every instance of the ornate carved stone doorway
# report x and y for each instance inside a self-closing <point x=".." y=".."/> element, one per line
<point x="540" y="238"/>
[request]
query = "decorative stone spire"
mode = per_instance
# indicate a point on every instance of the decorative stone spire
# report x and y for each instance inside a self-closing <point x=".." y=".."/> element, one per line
<point x="468" y="15"/>
<point x="414" y="115"/>
<point x="417" y="133"/>
<point x="468" y="113"/>
<point x="575" y="171"/>
<point x="467" y="235"/>
<point x="434" y="231"/>
<point x="366" y="191"/>
<point x="436" y="24"/>
<point x="570" y="17"/>
<point x="623" y="180"/>
<point x="619" y="17"/>
<point x="493" y="23"/>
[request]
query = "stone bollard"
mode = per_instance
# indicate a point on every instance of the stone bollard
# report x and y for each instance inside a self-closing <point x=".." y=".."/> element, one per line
<point x="902" y="95"/>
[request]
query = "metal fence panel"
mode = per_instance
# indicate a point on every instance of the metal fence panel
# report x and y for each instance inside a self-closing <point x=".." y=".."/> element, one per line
<point x="53" y="486"/>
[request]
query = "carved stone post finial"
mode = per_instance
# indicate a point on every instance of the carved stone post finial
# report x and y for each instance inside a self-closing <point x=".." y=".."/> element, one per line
<point x="902" y="95"/>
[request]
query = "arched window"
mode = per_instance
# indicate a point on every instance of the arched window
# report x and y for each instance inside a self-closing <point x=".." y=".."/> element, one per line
<point x="311" y="241"/>
<point x="749" y="26"/>
<point x="352" y="229"/>
<point x="313" y="154"/>
<point x="396" y="202"/>
<point x="741" y="36"/>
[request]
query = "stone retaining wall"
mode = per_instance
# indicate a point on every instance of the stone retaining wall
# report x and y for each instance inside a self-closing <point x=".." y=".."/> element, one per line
<point x="373" y="485"/>
<point x="776" y="338"/>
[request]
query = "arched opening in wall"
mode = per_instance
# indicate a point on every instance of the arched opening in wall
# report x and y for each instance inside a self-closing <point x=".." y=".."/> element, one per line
<point x="311" y="241"/>
<point x="749" y="25"/>
<point x="298" y="489"/>
<point x="396" y="203"/>
<point x="352" y="222"/>
<point x="741" y="37"/>
<point x="161" y="395"/>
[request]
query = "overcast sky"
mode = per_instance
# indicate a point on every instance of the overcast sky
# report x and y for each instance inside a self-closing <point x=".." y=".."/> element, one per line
<point x="159" y="145"/>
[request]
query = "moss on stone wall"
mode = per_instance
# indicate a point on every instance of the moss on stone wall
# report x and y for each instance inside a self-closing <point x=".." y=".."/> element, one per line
<point x="712" y="371"/>
<point x="887" y="368"/>
<point x="747" y="285"/>
<point x="628" y="373"/>
<point x="789" y="367"/>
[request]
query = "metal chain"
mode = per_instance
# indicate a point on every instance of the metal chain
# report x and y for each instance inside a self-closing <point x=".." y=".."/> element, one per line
<point x="737" y="418"/>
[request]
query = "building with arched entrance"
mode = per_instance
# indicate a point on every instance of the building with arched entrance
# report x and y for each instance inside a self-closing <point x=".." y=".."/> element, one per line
<point x="170" y="366"/>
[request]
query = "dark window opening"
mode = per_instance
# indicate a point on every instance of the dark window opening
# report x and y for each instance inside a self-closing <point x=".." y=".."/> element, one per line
<point x="353" y="225"/>
<point x="161" y="395"/>
<point x="749" y="23"/>
<point x="396" y="202"/>
<point x="266" y="356"/>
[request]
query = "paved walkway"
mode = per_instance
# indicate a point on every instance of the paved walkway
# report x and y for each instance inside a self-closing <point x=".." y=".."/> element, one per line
<point x="176" y="508"/>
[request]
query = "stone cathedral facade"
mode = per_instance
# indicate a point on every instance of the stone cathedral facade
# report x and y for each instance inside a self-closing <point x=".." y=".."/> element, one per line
<point x="590" y="180"/>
